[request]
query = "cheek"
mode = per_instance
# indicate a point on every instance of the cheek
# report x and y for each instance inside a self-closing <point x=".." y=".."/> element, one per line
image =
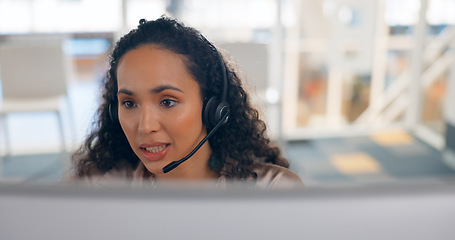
<point x="187" y="122"/>
<point x="128" y="126"/>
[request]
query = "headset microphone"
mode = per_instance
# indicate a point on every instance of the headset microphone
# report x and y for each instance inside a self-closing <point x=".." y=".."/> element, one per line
<point x="174" y="164"/>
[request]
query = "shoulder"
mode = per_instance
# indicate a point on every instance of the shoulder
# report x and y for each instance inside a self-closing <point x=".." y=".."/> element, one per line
<point x="271" y="176"/>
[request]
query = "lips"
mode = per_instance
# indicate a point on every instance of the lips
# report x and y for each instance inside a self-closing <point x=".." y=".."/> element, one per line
<point x="155" y="151"/>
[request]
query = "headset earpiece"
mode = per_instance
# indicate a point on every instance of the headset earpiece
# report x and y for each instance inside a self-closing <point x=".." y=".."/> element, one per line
<point x="214" y="111"/>
<point x="113" y="112"/>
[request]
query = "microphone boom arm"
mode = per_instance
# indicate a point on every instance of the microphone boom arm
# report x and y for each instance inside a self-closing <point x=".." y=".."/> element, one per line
<point x="174" y="164"/>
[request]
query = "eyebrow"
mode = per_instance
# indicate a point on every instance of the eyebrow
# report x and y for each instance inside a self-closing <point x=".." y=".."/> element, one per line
<point x="157" y="89"/>
<point x="165" y="87"/>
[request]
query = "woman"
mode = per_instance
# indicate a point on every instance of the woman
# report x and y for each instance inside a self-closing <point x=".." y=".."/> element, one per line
<point x="162" y="76"/>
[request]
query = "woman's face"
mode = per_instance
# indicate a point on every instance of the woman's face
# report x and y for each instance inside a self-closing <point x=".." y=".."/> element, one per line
<point x="160" y="110"/>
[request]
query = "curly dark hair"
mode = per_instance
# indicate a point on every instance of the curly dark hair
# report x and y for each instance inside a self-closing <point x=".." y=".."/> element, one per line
<point x="243" y="138"/>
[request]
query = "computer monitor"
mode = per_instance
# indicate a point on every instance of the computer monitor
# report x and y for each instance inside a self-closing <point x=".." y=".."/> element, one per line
<point x="418" y="211"/>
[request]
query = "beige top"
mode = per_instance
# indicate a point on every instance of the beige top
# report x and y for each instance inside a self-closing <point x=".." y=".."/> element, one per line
<point x="269" y="176"/>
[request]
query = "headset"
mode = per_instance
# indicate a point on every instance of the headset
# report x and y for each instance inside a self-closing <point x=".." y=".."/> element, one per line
<point x="215" y="111"/>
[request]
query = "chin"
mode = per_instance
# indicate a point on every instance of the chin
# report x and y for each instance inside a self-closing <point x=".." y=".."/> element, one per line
<point x="154" y="167"/>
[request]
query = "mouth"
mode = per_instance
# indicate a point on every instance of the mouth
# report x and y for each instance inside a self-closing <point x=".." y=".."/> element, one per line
<point x="156" y="149"/>
<point x="155" y="152"/>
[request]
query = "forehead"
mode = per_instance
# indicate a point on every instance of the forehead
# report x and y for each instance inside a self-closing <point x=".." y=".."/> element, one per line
<point x="150" y="64"/>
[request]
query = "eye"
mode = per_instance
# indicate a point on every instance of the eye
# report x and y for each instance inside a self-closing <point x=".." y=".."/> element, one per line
<point x="168" y="103"/>
<point x="129" y="104"/>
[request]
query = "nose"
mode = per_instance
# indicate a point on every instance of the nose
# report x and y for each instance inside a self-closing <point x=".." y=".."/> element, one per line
<point x="149" y="121"/>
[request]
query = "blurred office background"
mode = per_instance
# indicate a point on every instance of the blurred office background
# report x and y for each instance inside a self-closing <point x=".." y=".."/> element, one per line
<point x="355" y="91"/>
